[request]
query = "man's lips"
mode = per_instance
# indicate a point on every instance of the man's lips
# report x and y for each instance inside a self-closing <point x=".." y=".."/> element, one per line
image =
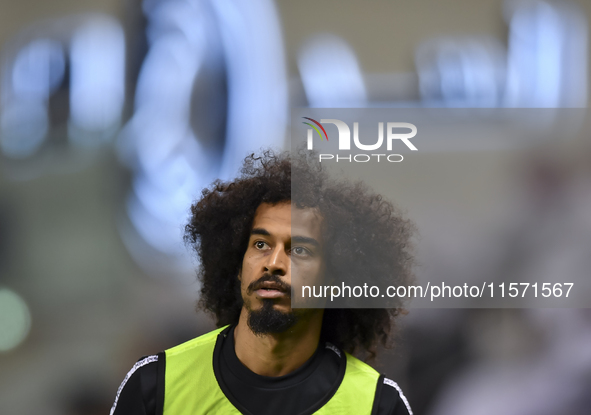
<point x="271" y="289"/>
<point x="270" y="293"/>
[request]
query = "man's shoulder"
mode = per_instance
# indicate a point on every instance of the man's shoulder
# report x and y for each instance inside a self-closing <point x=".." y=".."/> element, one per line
<point x="392" y="399"/>
<point x="205" y="340"/>
<point x="140" y="383"/>
<point x="388" y="395"/>
<point x="360" y="367"/>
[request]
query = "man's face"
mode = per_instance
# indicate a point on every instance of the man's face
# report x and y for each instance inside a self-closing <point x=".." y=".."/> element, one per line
<point x="278" y="245"/>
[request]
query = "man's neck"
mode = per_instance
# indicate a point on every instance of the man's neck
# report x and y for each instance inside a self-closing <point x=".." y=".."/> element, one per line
<point x="277" y="354"/>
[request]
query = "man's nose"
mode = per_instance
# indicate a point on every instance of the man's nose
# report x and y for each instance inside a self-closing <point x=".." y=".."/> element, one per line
<point x="277" y="262"/>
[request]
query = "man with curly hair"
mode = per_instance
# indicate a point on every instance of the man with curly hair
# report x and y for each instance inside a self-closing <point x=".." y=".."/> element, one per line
<point x="252" y="236"/>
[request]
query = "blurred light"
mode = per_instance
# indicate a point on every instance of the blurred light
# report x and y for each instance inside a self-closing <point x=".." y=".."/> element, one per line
<point x="174" y="15"/>
<point x="545" y="65"/>
<point x="167" y="75"/>
<point x="160" y="144"/>
<point x="467" y="72"/>
<point x="97" y="89"/>
<point x="38" y="69"/>
<point x="331" y="74"/>
<point x="163" y="235"/>
<point x="193" y="42"/>
<point x="170" y="195"/>
<point x="35" y="68"/>
<point x="36" y="72"/>
<point x="257" y="79"/>
<point x="15" y="320"/>
<point x="547" y="62"/>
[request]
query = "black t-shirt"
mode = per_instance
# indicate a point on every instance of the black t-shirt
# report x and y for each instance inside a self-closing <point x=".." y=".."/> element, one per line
<point x="301" y="392"/>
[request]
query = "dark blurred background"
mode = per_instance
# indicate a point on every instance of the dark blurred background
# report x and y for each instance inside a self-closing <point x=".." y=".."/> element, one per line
<point x="115" y="114"/>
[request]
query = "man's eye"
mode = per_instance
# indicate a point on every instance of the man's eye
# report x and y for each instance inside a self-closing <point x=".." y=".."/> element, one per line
<point x="298" y="250"/>
<point x="260" y="245"/>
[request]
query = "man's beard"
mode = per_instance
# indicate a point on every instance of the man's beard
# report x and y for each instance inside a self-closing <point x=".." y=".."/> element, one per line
<point x="267" y="319"/>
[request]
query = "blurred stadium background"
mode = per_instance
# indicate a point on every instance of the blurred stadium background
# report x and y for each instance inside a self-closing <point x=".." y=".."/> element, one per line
<point x="114" y="114"/>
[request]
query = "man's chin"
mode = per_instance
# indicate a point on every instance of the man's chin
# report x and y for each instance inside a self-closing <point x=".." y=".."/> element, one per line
<point x="269" y="319"/>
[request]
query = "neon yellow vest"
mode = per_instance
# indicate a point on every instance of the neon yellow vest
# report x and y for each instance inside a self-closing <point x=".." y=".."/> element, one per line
<point x="191" y="387"/>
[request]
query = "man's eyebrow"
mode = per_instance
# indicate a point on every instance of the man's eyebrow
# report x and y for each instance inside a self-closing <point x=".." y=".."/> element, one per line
<point x="304" y="240"/>
<point x="294" y="239"/>
<point x="260" y="231"/>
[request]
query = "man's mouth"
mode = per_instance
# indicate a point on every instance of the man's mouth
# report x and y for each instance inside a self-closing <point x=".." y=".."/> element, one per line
<point x="269" y="287"/>
<point x="270" y="293"/>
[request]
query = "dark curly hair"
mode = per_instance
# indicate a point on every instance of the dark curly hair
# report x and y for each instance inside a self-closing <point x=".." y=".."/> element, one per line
<point x="359" y="222"/>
